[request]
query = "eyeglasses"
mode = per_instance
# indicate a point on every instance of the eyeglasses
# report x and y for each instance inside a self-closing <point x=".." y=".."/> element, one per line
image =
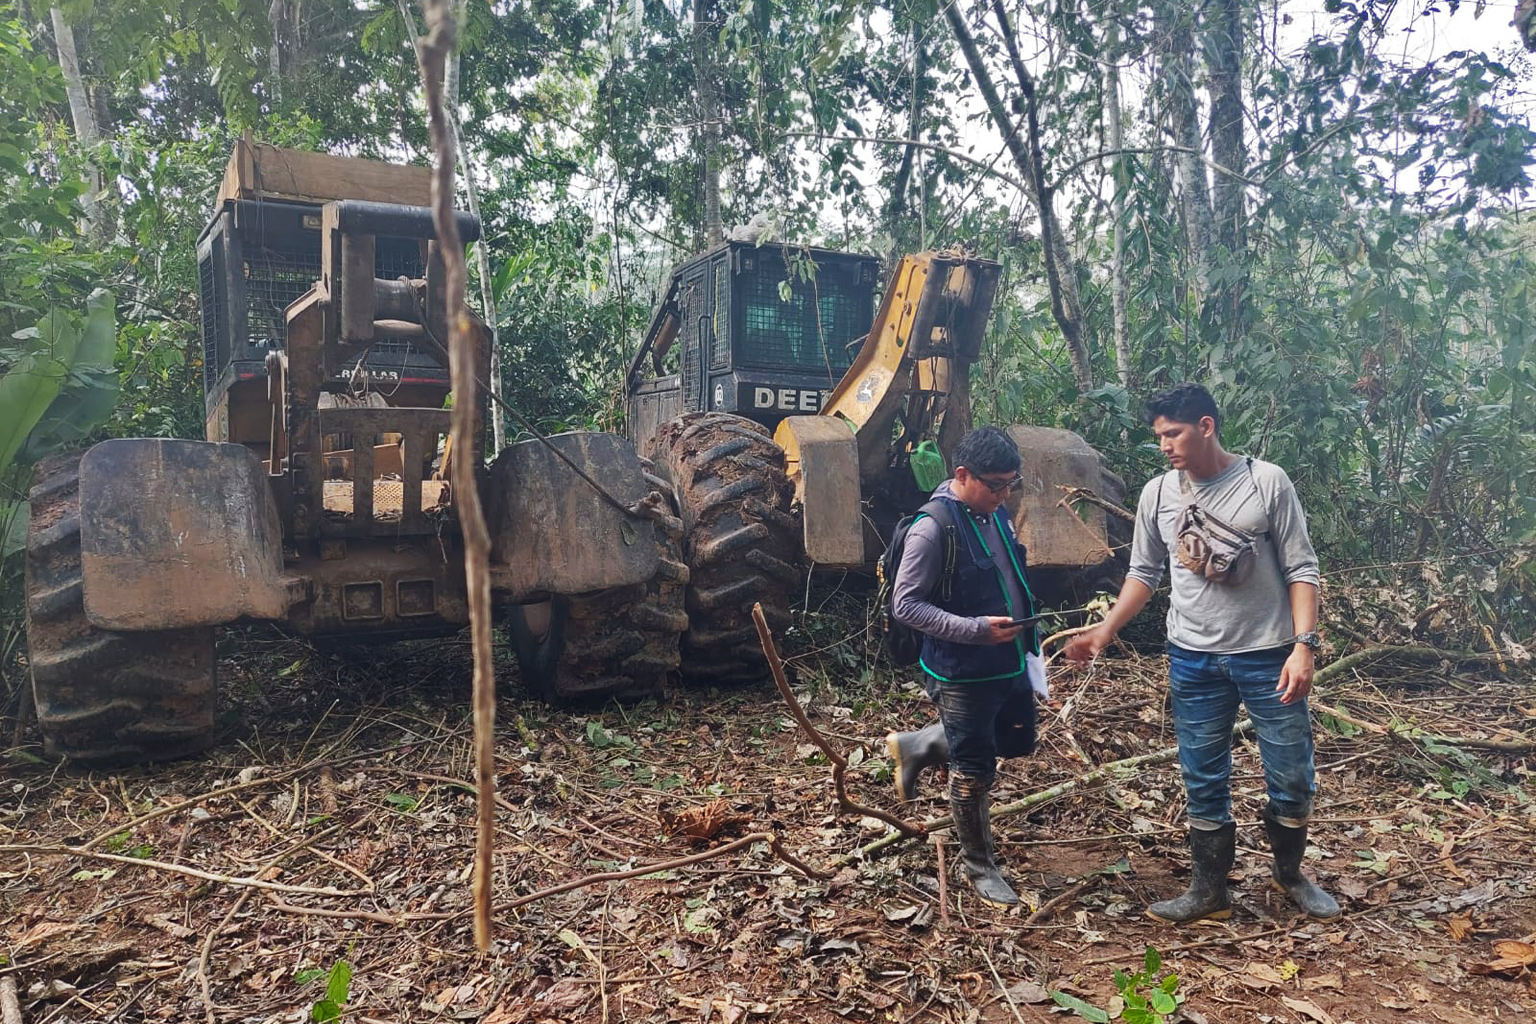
<point x="1006" y="485"/>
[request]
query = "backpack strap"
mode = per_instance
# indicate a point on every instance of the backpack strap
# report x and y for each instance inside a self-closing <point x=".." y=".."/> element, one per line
<point x="938" y="510"/>
<point x="1263" y="505"/>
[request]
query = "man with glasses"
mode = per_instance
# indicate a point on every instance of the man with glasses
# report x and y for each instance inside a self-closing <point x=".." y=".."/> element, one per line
<point x="976" y="649"/>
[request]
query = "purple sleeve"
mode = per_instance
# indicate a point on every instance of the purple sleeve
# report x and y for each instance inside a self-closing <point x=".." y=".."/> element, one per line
<point x="922" y="560"/>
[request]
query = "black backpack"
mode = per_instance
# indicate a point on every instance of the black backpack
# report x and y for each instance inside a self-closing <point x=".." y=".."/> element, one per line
<point x="903" y="644"/>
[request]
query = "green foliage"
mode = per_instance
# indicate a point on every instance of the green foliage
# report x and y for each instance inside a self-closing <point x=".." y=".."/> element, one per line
<point x="57" y="387"/>
<point x="338" y="985"/>
<point x="1147" y="998"/>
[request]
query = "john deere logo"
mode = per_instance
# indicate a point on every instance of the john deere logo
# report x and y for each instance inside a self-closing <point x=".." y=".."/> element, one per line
<point x="787" y="399"/>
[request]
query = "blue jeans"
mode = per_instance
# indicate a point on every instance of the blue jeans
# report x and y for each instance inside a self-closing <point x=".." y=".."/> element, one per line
<point x="1206" y="689"/>
<point x="984" y="721"/>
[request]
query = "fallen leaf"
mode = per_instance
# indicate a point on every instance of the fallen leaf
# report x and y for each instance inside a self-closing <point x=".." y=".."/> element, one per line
<point x="566" y="995"/>
<point x="1309" y="1008"/>
<point x="1028" y="992"/>
<point x="1354" y="888"/>
<point x="1333" y="981"/>
<point x="1514" y="957"/>
<point x="43" y="930"/>
<point x="1260" y="976"/>
<point x="702" y="822"/>
<point x="1459" y="925"/>
<point x="168" y="926"/>
<point x="1516" y="950"/>
<point x="879" y="1000"/>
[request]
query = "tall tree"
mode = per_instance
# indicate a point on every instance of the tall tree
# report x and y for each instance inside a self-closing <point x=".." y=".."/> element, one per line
<point x="1224" y="59"/>
<point x="1117" y="285"/>
<point x="709" y="126"/>
<point x="83" y="115"/>
<point x="1028" y="156"/>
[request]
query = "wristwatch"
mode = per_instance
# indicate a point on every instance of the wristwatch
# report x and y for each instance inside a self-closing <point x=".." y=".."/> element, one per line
<point x="1310" y="638"/>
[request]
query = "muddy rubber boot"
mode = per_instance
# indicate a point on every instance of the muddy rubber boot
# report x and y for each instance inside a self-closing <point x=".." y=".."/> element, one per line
<point x="970" y="802"/>
<point x="914" y="751"/>
<point x="1211" y="854"/>
<point x="1288" y="844"/>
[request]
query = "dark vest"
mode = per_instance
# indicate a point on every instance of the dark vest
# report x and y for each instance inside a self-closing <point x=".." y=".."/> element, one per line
<point x="978" y="589"/>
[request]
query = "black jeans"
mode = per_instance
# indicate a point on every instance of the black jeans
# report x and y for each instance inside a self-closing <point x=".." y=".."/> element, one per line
<point x="985" y="721"/>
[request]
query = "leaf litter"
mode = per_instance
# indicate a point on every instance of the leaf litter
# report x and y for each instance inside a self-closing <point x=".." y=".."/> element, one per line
<point x="1443" y="908"/>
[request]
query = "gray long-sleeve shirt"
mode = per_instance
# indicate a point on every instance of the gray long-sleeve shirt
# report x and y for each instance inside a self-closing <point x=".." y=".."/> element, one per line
<point x="1228" y="618"/>
<point x="922" y="560"/>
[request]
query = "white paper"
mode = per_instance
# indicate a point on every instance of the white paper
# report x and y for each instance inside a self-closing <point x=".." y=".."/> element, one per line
<point x="1034" y="665"/>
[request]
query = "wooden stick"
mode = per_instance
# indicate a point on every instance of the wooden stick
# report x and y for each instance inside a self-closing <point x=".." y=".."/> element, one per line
<point x="1104" y="772"/>
<point x="10" y="1005"/>
<point x="202" y="959"/>
<point x="1002" y="988"/>
<point x="1046" y="909"/>
<point x="442" y="36"/>
<point x="839" y="763"/>
<point x="181" y="869"/>
<point x="1401" y="733"/>
<point x="649" y="869"/>
<point x="938" y="853"/>
<point x="1410" y="653"/>
<point x="1070" y="494"/>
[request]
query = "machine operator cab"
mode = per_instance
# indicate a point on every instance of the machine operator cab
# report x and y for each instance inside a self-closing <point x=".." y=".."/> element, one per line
<point x="764" y="332"/>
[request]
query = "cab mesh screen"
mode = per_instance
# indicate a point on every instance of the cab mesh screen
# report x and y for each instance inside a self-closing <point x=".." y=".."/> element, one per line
<point x="810" y="332"/>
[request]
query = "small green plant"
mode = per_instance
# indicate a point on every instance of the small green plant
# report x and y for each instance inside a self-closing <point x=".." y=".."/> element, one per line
<point x="1148" y="999"/>
<point x="338" y="985"/>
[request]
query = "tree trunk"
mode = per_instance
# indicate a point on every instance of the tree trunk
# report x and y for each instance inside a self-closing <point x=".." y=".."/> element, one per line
<point x="897" y="207"/>
<point x="1117" y="286"/>
<point x="1183" y="121"/>
<point x="703" y="70"/>
<point x="1060" y="269"/>
<point x="278" y="17"/>
<point x="83" y="116"/>
<point x="1224" y="57"/>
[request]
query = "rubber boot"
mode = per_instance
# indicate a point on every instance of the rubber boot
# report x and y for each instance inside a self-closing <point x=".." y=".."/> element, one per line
<point x="970" y="801"/>
<point x="1211" y="853"/>
<point x="914" y="751"/>
<point x="1288" y="843"/>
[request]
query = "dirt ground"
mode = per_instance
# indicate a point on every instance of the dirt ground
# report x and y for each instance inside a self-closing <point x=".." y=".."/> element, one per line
<point x="332" y="829"/>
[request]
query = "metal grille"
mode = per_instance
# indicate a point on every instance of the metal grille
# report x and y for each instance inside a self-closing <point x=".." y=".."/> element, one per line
<point x="274" y="277"/>
<point x="791" y="335"/>
<point x="691" y="306"/>
<point x="212" y="303"/>
<point x="720" y="318"/>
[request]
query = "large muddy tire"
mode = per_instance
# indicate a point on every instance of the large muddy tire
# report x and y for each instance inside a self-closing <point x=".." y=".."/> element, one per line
<point x="620" y="643"/>
<point x="741" y="543"/>
<point x="104" y="697"/>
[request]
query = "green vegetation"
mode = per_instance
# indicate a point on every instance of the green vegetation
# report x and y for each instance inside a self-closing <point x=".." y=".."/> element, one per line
<point x="1346" y="260"/>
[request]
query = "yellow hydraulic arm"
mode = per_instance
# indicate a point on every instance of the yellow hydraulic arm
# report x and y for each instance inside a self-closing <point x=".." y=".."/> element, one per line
<point x="907" y="379"/>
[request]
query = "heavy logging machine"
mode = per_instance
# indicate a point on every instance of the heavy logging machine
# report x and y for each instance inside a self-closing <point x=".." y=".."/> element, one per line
<point x="797" y="424"/>
<point x="318" y="498"/>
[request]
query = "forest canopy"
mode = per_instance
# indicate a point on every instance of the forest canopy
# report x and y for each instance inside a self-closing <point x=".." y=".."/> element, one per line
<point x="1322" y="215"/>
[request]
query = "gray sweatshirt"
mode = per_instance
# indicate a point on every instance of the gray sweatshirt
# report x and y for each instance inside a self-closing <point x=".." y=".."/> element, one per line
<point x="922" y="560"/>
<point x="1226" y="618"/>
